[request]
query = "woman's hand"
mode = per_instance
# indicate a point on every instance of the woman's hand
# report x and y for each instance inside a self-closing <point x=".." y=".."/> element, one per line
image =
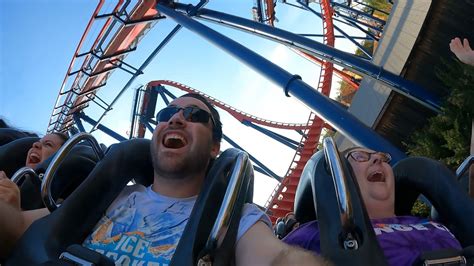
<point x="9" y="191"/>
<point x="462" y="51"/>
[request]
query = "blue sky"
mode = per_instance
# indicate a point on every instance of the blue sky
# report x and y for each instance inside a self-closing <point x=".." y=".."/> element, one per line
<point x="38" y="39"/>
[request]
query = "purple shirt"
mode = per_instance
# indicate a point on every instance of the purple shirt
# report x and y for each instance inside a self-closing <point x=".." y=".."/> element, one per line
<point x="403" y="239"/>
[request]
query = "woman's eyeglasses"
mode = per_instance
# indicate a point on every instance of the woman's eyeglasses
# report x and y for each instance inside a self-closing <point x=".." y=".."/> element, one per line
<point x="364" y="156"/>
<point x="190" y="114"/>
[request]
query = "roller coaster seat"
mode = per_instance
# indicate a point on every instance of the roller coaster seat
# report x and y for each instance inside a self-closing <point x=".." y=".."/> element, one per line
<point x="13" y="154"/>
<point x="8" y="135"/>
<point x="413" y="176"/>
<point x="70" y="224"/>
<point x="77" y="165"/>
<point x="419" y="175"/>
<point x="316" y="199"/>
<point x="73" y="170"/>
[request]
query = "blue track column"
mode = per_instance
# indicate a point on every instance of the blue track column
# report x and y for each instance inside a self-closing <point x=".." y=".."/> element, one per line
<point x="335" y="115"/>
<point x="322" y="51"/>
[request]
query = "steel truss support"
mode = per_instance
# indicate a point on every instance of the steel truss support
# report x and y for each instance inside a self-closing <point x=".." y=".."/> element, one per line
<point x="266" y="170"/>
<point x="355" y="13"/>
<point x="280" y="138"/>
<point x="356" y="43"/>
<point x="335" y="115"/>
<point x="346" y="60"/>
<point x="100" y="127"/>
<point x="78" y="122"/>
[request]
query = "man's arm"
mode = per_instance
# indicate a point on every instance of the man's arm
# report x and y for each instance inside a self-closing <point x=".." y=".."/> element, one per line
<point x="11" y="227"/>
<point x="13" y="223"/>
<point x="258" y="246"/>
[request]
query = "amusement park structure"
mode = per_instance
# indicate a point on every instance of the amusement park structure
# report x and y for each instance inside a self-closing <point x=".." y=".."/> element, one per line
<point x="127" y="23"/>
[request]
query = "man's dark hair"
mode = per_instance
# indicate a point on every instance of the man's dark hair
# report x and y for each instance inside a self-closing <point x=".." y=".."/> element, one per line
<point x="217" y="127"/>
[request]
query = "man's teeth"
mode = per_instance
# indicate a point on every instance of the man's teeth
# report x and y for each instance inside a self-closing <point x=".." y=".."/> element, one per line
<point x="174" y="141"/>
<point x="174" y="136"/>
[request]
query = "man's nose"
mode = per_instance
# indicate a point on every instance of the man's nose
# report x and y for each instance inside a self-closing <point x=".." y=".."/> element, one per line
<point x="177" y="119"/>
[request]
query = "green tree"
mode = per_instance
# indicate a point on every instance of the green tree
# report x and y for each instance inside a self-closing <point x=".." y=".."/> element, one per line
<point x="379" y="4"/>
<point x="447" y="136"/>
<point x="346" y="93"/>
<point x="369" y="47"/>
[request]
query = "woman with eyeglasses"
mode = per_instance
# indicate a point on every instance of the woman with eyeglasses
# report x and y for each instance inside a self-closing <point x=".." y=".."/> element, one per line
<point x="402" y="238"/>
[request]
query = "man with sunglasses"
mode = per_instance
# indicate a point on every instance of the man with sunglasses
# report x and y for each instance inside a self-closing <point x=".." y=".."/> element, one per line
<point x="402" y="238"/>
<point x="144" y="224"/>
<point x="186" y="138"/>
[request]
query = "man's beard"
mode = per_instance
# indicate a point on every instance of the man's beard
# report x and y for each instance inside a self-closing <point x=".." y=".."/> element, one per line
<point x="189" y="164"/>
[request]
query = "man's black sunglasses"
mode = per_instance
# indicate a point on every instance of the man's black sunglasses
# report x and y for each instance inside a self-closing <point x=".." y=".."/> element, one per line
<point x="190" y="114"/>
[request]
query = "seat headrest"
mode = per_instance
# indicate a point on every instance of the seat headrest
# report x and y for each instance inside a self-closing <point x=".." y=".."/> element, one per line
<point x="75" y="167"/>
<point x="8" y="135"/>
<point x="316" y="198"/>
<point x="74" y="220"/>
<point x="305" y="204"/>
<point x="420" y="175"/>
<point x="206" y="208"/>
<point x="13" y="154"/>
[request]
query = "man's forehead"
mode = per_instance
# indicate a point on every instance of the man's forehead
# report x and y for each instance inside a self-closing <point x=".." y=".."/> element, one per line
<point x="188" y="101"/>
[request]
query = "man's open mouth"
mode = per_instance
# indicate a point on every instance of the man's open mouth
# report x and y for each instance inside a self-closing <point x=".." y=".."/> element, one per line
<point x="174" y="141"/>
<point x="376" y="177"/>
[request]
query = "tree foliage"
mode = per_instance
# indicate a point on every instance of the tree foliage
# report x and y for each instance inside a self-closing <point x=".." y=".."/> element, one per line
<point x="346" y="93"/>
<point x="383" y="5"/>
<point x="369" y="47"/>
<point x="447" y="136"/>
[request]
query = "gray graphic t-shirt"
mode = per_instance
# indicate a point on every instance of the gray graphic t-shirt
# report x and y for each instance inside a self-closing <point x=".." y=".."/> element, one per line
<point x="142" y="227"/>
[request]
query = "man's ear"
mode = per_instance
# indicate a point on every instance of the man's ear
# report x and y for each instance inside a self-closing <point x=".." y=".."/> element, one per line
<point x="216" y="147"/>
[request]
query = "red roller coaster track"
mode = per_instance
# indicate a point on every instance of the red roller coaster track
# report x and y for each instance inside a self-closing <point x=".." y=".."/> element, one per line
<point x="111" y="46"/>
<point x="282" y="199"/>
<point x="95" y="70"/>
<point x="237" y="114"/>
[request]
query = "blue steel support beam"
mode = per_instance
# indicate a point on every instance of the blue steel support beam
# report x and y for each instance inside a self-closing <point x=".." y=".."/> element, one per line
<point x="101" y="127"/>
<point x="359" y="13"/>
<point x="162" y="90"/>
<point x="280" y="138"/>
<point x="373" y="8"/>
<point x="163" y="95"/>
<point x="266" y="170"/>
<point x="335" y="115"/>
<point x="356" y="64"/>
<point x="356" y="43"/>
<point x="150" y="127"/>
<point x="336" y="36"/>
<point x="368" y="33"/>
<point x="348" y="18"/>
<point x="260" y="170"/>
<point x="78" y="122"/>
